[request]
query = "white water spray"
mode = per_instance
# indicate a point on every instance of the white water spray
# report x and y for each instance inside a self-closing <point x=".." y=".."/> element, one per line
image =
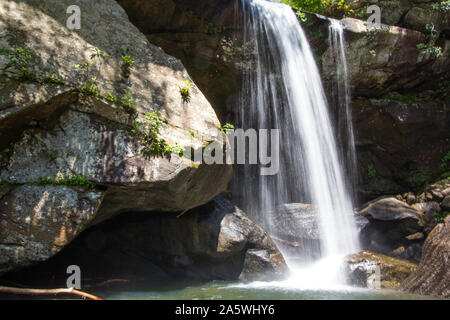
<point x="285" y="92"/>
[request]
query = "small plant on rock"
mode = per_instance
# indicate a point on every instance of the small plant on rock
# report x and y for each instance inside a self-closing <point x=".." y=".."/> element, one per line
<point x="371" y="171"/>
<point x="185" y="91"/>
<point x="440" y="216"/>
<point x="125" y="66"/>
<point x="71" y="180"/>
<point x="90" y="88"/>
<point x="52" y="78"/>
<point x="226" y="128"/>
<point x="127" y="102"/>
<point x="429" y="48"/>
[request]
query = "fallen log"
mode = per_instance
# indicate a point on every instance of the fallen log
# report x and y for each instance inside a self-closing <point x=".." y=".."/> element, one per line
<point x="296" y="245"/>
<point x="24" y="291"/>
<point x="288" y="243"/>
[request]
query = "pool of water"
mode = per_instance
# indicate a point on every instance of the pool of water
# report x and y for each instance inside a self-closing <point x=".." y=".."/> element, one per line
<point x="220" y="290"/>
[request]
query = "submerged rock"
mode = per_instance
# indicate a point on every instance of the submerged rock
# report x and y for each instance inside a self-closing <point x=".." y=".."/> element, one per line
<point x="374" y="270"/>
<point x="433" y="274"/>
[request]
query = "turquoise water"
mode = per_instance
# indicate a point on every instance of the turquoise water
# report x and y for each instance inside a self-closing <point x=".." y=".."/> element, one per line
<point x="220" y="290"/>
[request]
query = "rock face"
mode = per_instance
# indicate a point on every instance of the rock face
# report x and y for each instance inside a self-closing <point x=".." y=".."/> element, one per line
<point x="392" y="224"/>
<point x="373" y="270"/>
<point x="38" y="221"/>
<point x="214" y="241"/>
<point x="433" y="275"/>
<point x="411" y="14"/>
<point x="396" y="105"/>
<point x="202" y="33"/>
<point x="395" y="62"/>
<point x="55" y="120"/>
<point x="387" y="135"/>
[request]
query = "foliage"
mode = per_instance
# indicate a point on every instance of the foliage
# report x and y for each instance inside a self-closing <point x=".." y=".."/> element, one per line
<point x="99" y="54"/>
<point x="440" y="216"/>
<point x="126" y="101"/>
<point x="325" y="7"/>
<point x="374" y="101"/>
<point x="176" y="149"/>
<point x="373" y="53"/>
<point x="445" y="162"/>
<point x="371" y="171"/>
<point x="126" y="63"/>
<point x="148" y="132"/>
<point x="226" y="128"/>
<point x="418" y="177"/>
<point x="443" y="6"/>
<point x="21" y="59"/>
<point x="402" y="98"/>
<point x="71" y="180"/>
<point x="185" y="91"/>
<point x="52" y="78"/>
<point x="429" y="48"/>
<point x="90" y="88"/>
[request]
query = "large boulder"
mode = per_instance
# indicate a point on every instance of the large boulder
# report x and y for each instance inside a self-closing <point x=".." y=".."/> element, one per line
<point x="372" y="270"/>
<point x="215" y="241"/>
<point x="393" y="224"/>
<point x="38" y="221"/>
<point x="55" y="120"/>
<point x="433" y="275"/>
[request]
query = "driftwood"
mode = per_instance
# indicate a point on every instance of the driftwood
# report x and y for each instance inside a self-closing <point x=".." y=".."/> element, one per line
<point x="296" y="245"/>
<point x="41" y="292"/>
<point x="288" y="243"/>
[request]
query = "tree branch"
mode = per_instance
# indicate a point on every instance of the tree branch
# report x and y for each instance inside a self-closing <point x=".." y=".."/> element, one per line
<point x="82" y="294"/>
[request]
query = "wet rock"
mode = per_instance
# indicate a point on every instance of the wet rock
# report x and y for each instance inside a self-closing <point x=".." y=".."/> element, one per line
<point x="373" y="270"/>
<point x="433" y="274"/>
<point x="38" y="221"/>
<point x="410" y="198"/>
<point x="390" y="209"/>
<point x="445" y="204"/>
<point x="429" y="211"/>
<point x="391" y="222"/>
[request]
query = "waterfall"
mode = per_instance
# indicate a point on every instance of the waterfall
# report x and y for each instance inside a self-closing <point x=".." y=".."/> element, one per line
<point x="283" y="90"/>
<point x="342" y="99"/>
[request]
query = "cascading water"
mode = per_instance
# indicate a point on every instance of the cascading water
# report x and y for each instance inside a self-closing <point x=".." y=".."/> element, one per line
<point x="284" y="91"/>
<point x="341" y="101"/>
